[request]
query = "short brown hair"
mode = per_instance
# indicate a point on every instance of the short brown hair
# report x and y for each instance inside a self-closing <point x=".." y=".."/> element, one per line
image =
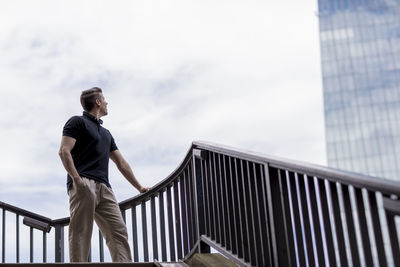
<point x="88" y="98"/>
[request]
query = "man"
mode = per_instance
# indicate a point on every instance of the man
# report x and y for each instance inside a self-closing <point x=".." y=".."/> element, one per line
<point x="85" y="151"/>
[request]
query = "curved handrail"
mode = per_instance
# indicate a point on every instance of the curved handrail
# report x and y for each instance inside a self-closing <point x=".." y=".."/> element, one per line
<point x="136" y="200"/>
<point x="23" y="212"/>
<point x="382" y="185"/>
<point x="199" y="189"/>
<point x="161" y="186"/>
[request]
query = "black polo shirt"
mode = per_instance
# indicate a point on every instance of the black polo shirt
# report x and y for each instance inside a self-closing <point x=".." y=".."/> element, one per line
<point x="92" y="149"/>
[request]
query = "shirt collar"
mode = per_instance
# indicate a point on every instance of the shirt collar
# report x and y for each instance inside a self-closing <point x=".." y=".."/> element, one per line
<point x="93" y="118"/>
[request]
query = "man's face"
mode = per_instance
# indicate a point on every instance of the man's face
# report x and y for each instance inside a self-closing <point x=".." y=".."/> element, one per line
<point x="103" y="105"/>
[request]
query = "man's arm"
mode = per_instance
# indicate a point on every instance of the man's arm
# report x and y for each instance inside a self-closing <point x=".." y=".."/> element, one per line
<point x="125" y="169"/>
<point x="67" y="144"/>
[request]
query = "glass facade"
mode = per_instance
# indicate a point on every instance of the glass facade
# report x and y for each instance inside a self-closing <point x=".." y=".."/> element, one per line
<point x="360" y="56"/>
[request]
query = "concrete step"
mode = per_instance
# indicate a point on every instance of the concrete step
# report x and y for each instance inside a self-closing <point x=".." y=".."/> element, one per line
<point x="210" y="260"/>
<point x="92" y="264"/>
<point x="81" y="264"/>
<point x="197" y="260"/>
<point x="170" y="264"/>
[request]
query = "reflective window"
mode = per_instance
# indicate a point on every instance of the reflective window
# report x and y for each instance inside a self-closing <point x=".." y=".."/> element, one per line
<point x="360" y="54"/>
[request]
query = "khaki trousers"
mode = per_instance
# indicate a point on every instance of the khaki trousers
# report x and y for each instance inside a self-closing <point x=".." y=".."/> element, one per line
<point x="92" y="201"/>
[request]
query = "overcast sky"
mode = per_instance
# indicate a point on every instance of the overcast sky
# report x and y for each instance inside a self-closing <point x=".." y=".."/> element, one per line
<point x="239" y="73"/>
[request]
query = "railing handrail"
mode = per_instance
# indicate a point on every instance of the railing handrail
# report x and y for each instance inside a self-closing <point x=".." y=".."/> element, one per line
<point x="136" y="200"/>
<point x="383" y="185"/>
<point x="210" y="173"/>
<point x="162" y="185"/>
<point x="23" y="212"/>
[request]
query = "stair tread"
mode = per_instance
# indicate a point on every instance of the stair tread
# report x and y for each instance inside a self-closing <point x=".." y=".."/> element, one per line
<point x="81" y="264"/>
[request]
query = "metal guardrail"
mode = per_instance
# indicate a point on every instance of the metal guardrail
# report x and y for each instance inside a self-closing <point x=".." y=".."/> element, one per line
<point x="33" y="220"/>
<point x="257" y="210"/>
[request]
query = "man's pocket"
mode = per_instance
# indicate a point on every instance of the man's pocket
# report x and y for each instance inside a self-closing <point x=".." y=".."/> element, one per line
<point x="78" y="187"/>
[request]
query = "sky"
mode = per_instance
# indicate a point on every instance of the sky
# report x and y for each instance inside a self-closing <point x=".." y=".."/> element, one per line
<point x="241" y="73"/>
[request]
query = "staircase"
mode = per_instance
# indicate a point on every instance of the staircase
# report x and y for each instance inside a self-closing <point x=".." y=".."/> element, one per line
<point x="254" y="209"/>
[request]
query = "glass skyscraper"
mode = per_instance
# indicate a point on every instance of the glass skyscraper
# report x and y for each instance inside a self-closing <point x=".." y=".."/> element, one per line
<point x="360" y="56"/>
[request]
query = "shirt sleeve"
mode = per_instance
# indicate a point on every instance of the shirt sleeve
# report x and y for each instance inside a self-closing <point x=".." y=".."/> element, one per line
<point x="73" y="127"/>
<point x="113" y="146"/>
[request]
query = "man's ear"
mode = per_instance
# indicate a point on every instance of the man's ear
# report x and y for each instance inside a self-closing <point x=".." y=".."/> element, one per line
<point x="98" y="102"/>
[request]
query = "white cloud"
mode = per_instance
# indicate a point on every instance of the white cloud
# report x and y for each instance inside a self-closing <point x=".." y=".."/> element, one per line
<point x="240" y="73"/>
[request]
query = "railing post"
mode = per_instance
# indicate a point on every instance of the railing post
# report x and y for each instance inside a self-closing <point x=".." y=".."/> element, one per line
<point x="59" y="243"/>
<point x="198" y="156"/>
<point x="278" y="224"/>
<point x="3" y="238"/>
<point x="17" y="238"/>
<point x="31" y="245"/>
<point x="392" y="209"/>
<point x="44" y="247"/>
<point x="101" y="247"/>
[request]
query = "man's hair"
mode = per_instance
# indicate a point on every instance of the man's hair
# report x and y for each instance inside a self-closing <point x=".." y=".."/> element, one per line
<point x="88" y="98"/>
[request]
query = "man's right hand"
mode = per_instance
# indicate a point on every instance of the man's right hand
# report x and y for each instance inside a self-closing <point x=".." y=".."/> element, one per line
<point x="77" y="180"/>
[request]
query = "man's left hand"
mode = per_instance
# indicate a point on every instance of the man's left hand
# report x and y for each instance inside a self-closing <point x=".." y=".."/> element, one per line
<point x="143" y="189"/>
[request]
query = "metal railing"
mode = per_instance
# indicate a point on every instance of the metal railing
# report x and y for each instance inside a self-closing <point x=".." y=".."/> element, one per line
<point x="256" y="210"/>
<point x="33" y="221"/>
